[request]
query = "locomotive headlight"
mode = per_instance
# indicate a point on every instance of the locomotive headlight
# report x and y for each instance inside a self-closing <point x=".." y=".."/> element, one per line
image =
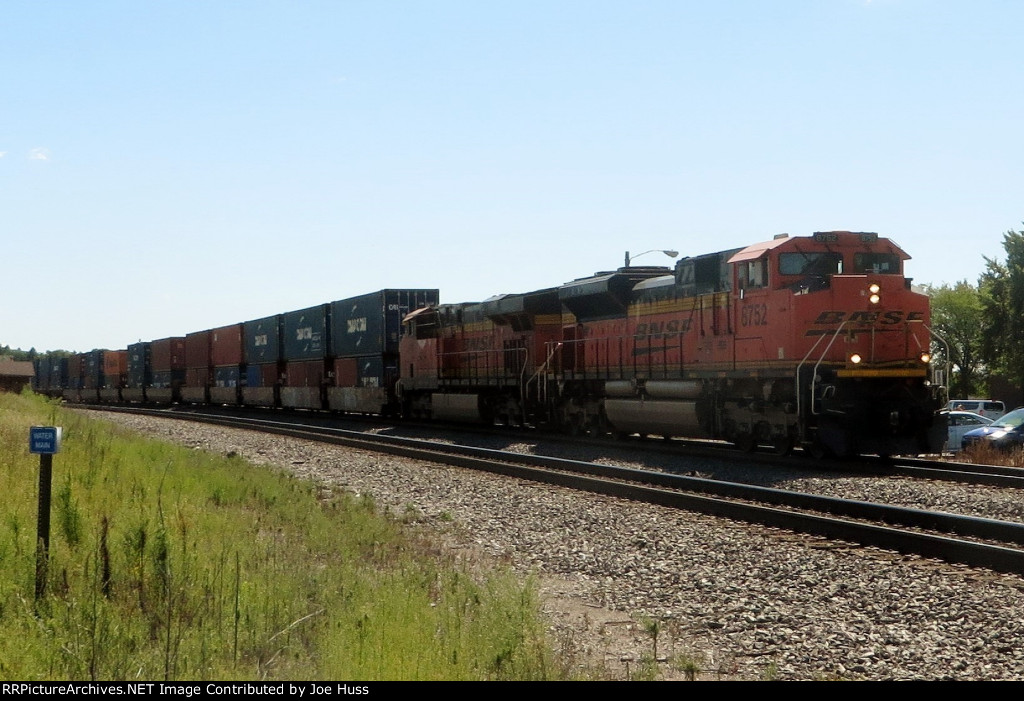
<point x="855" y="358"/>
<point x="926" y="358"/>
<point x="874" y="289"/>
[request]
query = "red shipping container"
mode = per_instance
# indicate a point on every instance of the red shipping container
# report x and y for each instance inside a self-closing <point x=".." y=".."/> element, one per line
<point x="346" y="372"/>
<point x="115" y="363"/>
<point x="227" y="345"/>
<point x="168" y="354"/>
<point x="197" y="350"/>
<point x="304" y="373"/>
<point x="271" y="375"/>
<point x="197" y="377"/>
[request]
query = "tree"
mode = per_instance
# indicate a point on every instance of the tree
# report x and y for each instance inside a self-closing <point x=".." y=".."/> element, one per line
<point x="957" y="317"/>
<point x="1002" y="293"/>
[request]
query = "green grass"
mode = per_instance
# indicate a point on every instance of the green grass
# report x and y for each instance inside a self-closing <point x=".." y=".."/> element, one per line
<point x="174" y="564"/>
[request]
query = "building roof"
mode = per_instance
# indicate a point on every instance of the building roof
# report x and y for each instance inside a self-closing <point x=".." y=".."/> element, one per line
<point x="16" y="368"/>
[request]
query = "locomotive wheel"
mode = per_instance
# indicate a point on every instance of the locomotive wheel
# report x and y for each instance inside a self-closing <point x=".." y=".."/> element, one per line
<point x="818" y="451"/>
<point x="782" y="445"/>
<point x="745" y="442"/>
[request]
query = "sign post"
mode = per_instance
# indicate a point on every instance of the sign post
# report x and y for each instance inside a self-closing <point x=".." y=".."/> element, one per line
<point x="43" y="441"/>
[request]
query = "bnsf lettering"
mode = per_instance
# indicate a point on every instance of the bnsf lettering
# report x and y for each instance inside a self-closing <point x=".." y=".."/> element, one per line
<point x="891" y="317"/>
<point x="830" y="318"/>
<point x="661" y="329"/>
<point x="864" y="317"/>
<point x="357" y="325"/>
<point x="835" y="318"/>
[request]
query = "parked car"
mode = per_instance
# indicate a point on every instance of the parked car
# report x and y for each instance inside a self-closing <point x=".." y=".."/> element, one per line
<point x="988" y="408"/>
<point x="1004" y="434"/>
<point x="960" y="422"/>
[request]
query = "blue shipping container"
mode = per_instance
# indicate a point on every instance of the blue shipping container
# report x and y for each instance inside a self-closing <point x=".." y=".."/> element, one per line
<point x="306" y="333"/>
<point x="371" y="324"/>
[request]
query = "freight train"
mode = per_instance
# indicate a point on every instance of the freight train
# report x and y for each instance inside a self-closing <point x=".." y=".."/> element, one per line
<point x="813" y="341"/>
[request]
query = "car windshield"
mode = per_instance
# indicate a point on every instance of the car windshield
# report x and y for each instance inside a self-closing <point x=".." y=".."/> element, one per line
<point x="1012" y="420"/>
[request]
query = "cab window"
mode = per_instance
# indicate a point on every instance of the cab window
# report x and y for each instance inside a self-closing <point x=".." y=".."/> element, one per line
<point x="814" y="263"/>
<point x="884" y="263"/>
<point x="753" y="273"/>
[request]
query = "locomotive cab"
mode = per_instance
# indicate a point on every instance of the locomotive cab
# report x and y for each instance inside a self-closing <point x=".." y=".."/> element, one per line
<point x="857" y="332"/>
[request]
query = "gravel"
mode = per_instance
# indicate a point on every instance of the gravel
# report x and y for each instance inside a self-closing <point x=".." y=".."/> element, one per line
<point x="729" y="600"/>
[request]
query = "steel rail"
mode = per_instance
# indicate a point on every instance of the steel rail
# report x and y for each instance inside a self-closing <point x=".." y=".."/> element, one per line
<point x="743" y="502"/>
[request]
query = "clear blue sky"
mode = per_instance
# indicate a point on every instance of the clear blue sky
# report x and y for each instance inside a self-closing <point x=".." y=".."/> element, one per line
<point x="174" y="166"/>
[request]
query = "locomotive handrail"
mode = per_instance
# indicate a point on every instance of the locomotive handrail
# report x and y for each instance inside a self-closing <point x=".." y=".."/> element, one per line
<point x="814" y="375"/>
<point x="944" y="342"/>
<point x="603" y="343"/>
<point x="799" y="392"/>
<point x="799" y="389"/>
<point x="473" y="356"/>
<point x="542" y="387"/>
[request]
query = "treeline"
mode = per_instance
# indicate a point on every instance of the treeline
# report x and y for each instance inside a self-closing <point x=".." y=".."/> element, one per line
<point x="31" y="353"/>
<point x="982" y="325"/>
<point x="18" y="354"/>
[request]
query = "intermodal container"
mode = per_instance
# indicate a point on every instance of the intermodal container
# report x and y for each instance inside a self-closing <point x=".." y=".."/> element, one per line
<point x="41" y="378"/>
<point x="140" y="365"/>
<point x="360" y="372"/>
<point x="75" y="364"/>
<point x="227" y="345"/>
<point x="303" y="386"/>
<point x="58" y="373"/>
<point x="261" y="384"/>
<point x="168" y="379"/>
<point x="228" y="376"/>
<point x="264" y="375"/>
<point x="197" y="350"/>
<point x="92" y="370"/>
<point x="304" y="373"/>
<point x="371" y="324"/>
<point x="305" y="333"/>
<point x="115" y="368"/>
<point x="168" y="354"/>
<point x="227" y="384"/>
<point x="263" y="340"/>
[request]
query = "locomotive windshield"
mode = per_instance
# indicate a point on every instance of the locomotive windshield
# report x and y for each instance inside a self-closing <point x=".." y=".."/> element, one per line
<point x="884" y="263"/>
<point x="814" y="263"/>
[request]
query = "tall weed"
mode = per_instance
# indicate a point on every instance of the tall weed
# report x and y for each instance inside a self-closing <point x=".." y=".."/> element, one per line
<point x="179" y="565"/>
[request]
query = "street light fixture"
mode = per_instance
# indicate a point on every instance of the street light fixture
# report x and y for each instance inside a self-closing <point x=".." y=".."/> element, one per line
<point x="668" y="252"/>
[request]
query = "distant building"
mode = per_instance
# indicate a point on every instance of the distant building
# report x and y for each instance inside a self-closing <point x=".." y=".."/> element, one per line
<point x="15" y="375"/>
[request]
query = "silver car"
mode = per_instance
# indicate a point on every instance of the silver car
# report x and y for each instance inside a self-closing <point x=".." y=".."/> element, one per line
<point x="960" y="422"/>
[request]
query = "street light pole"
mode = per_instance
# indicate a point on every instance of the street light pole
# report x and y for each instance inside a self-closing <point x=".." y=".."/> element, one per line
<point x="668" y="252"/>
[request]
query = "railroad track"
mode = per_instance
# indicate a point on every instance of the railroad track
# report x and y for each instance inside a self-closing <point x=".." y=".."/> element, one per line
<point x="978" y="542"/>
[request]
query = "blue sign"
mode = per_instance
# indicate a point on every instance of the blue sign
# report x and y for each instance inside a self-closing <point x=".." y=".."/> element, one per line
<point x="44" y="440"/>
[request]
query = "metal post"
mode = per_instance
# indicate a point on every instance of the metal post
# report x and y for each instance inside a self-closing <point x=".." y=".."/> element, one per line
<point x="43" y="523"/>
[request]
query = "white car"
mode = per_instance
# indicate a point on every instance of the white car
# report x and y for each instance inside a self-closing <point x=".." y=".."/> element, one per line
<point x="982" y="407"/>
<point x="960" y="422"/>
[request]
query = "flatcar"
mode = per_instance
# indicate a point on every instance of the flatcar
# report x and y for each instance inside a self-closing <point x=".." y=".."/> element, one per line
<point x="817" y="341"/>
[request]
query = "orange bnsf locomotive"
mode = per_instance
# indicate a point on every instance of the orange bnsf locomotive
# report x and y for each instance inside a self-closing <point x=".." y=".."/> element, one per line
<point x="815" y="341"/>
